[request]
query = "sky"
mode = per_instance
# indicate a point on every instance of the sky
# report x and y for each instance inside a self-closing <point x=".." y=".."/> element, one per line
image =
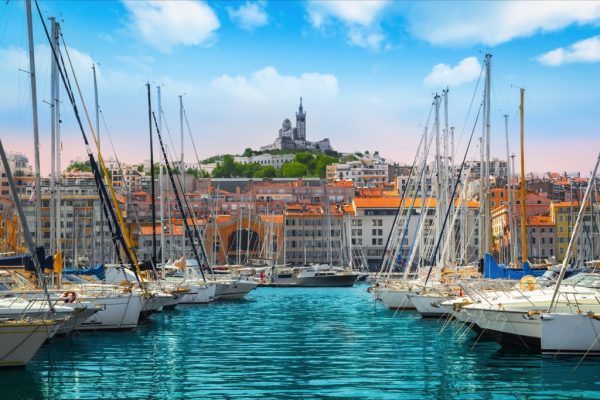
<point x="367" y="72"/>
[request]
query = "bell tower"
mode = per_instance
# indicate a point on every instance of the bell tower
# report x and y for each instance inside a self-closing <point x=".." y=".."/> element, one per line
<point x="300" y="123"/>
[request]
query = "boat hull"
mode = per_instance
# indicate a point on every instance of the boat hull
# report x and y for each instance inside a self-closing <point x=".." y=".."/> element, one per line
<point x="116" y="313"/>
<point x="233" y="290"/>
<point x="395" y="299"/>
<point x="345" y="280"/>
<point x="22" y="339"/>
<point x="429" y="305"/>
<point x="568" y="334"/>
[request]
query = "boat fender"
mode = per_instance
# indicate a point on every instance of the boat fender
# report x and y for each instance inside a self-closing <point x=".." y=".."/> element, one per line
<point x="69" y="297"/>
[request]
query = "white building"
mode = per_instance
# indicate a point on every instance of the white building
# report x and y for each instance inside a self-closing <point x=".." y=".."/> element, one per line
<point x="364" y="172"/>
<point x="272" y="160"/>
<point x="371" y="222"/>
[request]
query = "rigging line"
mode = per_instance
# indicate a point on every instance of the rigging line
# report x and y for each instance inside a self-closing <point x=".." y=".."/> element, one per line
<point x="117" y="236"/>
<point x="176" y="192"/>
<point x="392" y="231"/>
<point x="112" y="146"/>
<point x="192" y="139"/>
<point x="458" y="180"/>
<point x="169" y="134"/>
<point x="126" y="234"/>
<point x="462" y="131"/>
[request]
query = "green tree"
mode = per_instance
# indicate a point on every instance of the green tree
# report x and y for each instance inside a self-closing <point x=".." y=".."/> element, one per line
<point x="321" y="163"/>
<point x="226" y="168"/>
<point x="348" y="157"/>
<point x="304" y="157"/>
<point x="293" y="169"/>
<point x="249" y="170"/>
<point x="248" y="152"/>
<point x="83" y="166"/>
<point x="268" y="171"/>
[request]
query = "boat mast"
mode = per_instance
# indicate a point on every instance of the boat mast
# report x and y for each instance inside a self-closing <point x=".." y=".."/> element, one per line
<point x="511" y="228"/>
<point x="439" y="195"/>
<point x="182" y="172"/>
<point x="153" y="194"/>
<point x="53" y="85"/>
<point x="36" y="137"/>
<point x="57" y="148"/>
<point x="488" y="88"/>
<point x="97" y="109"/>
<point x="161" y="190"/>
<point x="523" y="195"/>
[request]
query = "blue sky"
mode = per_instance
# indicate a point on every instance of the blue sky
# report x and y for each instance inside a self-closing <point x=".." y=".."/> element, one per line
<point x="366" y="70"/>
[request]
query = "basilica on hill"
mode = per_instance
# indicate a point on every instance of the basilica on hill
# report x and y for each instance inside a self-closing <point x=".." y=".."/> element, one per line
<point x="295" y="137"/>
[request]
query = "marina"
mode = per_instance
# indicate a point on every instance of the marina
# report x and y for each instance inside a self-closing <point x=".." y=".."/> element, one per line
<point x="293" y="269"/>
<point x="305" y="343"/>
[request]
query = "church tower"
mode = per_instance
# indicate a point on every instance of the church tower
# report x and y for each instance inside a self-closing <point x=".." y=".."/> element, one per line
<point x="300" y="123"/>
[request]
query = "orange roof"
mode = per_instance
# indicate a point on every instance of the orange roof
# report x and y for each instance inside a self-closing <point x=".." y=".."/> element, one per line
<point x="344" y="183"/>
<point x="146" y="230"/>
<point x="278" y="219"/>
<point x="347" y="209"/>
<point x="566" y="204"/>
<point x="394" y="202"/>
<point x="540" y="220"/>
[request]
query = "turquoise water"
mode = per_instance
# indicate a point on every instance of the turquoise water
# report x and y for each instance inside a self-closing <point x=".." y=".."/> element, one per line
<point x="293" y="343"/>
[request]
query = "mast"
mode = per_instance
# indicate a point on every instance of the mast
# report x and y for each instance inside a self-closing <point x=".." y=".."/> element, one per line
<point x="511" y="228"/>
<point x="53" y="86"/>
<point x="438" y="166"/>
<point x="161" y="190"/>
<point x="182" y="172"/>
<point x="97" y="109"/>
<point x="523" y="208"/>
<point x="36" y="137"/>
<point x="153" y="194"/>
<point x="57" y="148"/>
<point x="488" y="88"/>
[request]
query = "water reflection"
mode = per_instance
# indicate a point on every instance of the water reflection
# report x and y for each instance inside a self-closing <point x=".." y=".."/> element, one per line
<point x="296" y="343"/>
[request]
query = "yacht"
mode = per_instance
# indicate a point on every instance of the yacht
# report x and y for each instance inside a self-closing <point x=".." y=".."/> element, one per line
<point x="324" y="275"/>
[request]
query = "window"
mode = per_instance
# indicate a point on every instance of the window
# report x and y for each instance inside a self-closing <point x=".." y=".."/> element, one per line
<point x="374" y="242"/>
<point x="374" y="232"/>
<point x="357" y="222"/>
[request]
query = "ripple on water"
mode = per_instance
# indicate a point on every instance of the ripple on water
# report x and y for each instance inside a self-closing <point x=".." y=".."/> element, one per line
<point x="293" y="343"/>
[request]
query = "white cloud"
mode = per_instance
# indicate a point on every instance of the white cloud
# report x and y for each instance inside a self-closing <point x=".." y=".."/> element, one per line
<point x="360" y="20"/>
<point x="587" y="50"/>
<point x="249" y="16"/>
<point x="368" y="40"/>
<point x="351" y="11"/>
<point x="167" y="24"/>
<point x="443" y="75"/>
<point x="268" y="85"/>
<point x="493" y="23"/>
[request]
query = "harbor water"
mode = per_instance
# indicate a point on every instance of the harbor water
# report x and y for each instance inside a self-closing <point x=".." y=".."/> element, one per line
<point x="293" y="343"/>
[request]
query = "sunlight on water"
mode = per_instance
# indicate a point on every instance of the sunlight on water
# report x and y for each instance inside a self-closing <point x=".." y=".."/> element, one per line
<point x="293" y="343"/>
